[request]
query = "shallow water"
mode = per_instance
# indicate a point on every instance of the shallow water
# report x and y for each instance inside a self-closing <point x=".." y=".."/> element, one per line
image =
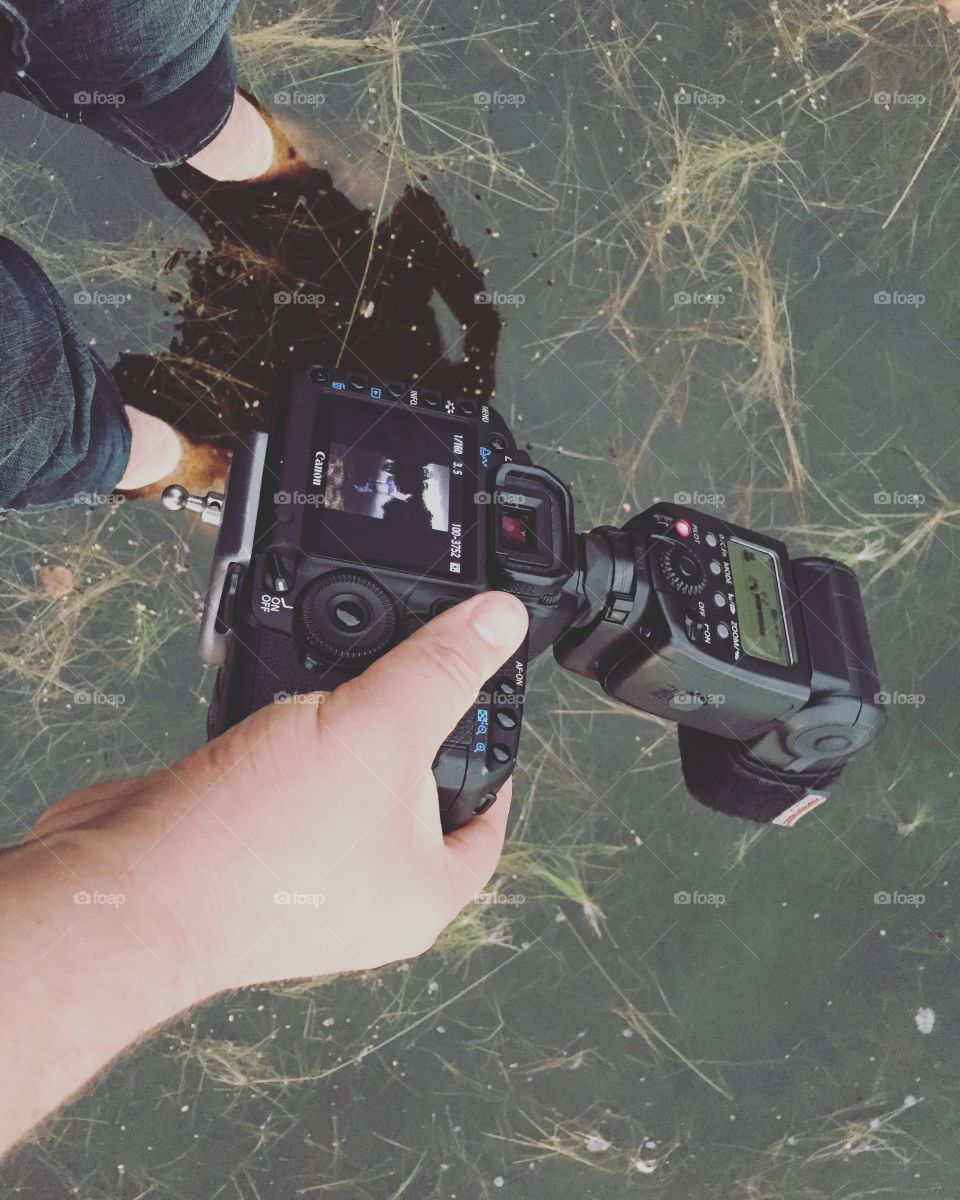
<point x="643" y="355"/>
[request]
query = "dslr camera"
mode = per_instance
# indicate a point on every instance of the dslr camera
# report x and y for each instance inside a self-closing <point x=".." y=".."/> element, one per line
<point x="373" y="505"/>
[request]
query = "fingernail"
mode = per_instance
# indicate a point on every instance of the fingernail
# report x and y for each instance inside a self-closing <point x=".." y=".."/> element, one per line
<point x="499" y="621"/>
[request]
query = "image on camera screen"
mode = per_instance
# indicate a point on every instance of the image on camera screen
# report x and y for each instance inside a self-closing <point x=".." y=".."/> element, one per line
<point x="394" y="487"/>
<point x="391" y="490"/>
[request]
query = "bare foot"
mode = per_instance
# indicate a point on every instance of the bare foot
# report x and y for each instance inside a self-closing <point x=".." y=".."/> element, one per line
<point x="952" y="9"/>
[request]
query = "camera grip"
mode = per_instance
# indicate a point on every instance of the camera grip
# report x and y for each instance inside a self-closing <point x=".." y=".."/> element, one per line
<point x="475" y="760"/>
<point x="479" y="755"/>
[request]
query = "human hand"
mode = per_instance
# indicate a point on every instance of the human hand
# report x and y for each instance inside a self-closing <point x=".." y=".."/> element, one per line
<point x="307" y="839"/>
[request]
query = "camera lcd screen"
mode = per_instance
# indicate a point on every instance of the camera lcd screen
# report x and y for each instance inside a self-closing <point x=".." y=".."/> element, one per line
<point x="759" y="596"/>
<point x="390" y="486"/>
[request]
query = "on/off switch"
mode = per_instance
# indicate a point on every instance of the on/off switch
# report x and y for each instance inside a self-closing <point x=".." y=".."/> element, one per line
<point x="694" y="628"/>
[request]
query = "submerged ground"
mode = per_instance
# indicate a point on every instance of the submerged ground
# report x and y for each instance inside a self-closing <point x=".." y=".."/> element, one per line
<point x="722" y="240"/>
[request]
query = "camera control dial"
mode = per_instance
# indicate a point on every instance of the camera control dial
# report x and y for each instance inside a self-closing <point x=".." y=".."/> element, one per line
<point x="682" y="570"/>
<point x="345" y="615"/>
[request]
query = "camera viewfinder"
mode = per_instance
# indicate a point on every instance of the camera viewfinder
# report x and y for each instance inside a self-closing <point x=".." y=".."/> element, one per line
<point x="518" y="528"/>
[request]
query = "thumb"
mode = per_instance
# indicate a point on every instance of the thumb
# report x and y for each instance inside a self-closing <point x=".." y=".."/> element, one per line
<point x="416" y="694"/>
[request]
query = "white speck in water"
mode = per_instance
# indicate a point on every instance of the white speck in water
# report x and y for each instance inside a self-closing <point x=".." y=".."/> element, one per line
<point x="597" y="1145"/>
<point x="498" y="1182"/>
<point x="433" y="987"/>
<point x="909" y="1101"/>
<point x="925" y="1019"/>
<point x="646" y="1166"/>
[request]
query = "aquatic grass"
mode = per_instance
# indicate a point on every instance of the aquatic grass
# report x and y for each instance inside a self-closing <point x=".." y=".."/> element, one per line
<point x="857" y="32"/>
<point x="481" y="925"/>
<point x="294" y="41"/>
<point x="574" y="1141"/>
<point x="884" y="541"/>
<point x="560" y="871"/>
<point x="767" y="331"/>
<point x="45" y="642"/>
<point x="921" y="813"/>
<point x="70" y="666"/>
<point x="402" y="121"/>
<point x="842" y="1136"/>
<point x="235" y="1064"/>
<point x="642" y="1024"/>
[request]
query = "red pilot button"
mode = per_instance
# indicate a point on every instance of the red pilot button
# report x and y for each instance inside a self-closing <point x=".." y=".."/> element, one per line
<point x="682" y="528"/>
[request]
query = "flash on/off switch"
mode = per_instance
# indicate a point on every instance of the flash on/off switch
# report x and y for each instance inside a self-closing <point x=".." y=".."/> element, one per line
<point x="711" y="539"/>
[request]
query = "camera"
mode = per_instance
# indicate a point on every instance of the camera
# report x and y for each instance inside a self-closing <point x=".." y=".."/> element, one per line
<point x="372" y="505"/>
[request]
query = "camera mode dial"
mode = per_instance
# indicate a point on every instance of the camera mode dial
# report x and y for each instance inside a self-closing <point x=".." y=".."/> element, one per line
<point x="345" y="615"/>
<point x="682" y="570"/>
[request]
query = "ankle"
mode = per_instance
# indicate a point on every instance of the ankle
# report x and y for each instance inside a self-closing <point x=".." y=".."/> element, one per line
<point x="243" y="149"/>
<point x="155" y="450"/>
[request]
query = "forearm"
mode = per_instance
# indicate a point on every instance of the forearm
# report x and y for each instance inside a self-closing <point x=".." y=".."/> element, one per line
<point x="304" y="841"/>
<point x="89" y="963"/>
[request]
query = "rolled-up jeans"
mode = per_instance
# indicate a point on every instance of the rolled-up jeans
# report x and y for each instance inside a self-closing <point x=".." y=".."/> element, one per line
<point x="156" y="78"/>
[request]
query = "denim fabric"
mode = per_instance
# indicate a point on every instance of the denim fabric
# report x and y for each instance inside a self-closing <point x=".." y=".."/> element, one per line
<point x="156" y="79"/>
<point x="64" y="435"/>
